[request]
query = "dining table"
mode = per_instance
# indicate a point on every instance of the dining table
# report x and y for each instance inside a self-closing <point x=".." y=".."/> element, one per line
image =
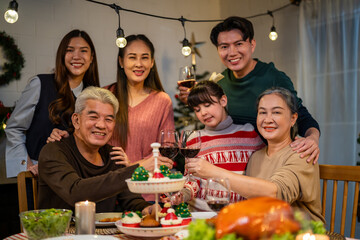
<point x="109" y="231"/>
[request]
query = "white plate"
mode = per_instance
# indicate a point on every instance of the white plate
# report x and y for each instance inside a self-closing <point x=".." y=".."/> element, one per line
<point x="202" y="215"/>
<point x="99" y="216"/>
<point x="172" y="185"/>
<point x="149" y="232"/>
<point x="84" y="237"/>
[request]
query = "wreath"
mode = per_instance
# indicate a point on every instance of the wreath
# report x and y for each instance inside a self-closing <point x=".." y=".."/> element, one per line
<point x="12" y="68"/>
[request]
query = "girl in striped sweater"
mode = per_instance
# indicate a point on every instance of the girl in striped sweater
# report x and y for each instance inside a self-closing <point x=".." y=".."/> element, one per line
<point x="224" y="145"/>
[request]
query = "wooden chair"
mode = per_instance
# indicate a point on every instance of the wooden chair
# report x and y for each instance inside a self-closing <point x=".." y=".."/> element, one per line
<point x="346" y="174"/>
<point x="21" y="183"/>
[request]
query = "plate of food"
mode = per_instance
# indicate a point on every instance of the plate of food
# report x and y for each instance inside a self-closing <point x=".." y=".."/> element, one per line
<point x="203" y="215"/>
<point x="150" y="232"/>
<point x="107" y="219"/>
<point x="84" y="237"/>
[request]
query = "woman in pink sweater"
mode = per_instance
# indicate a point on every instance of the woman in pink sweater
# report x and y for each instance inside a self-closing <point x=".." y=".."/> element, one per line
<point x="145" y="108"/>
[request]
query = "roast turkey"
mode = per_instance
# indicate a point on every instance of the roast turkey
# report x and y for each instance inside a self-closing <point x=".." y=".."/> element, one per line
<point x="256" y="218"/>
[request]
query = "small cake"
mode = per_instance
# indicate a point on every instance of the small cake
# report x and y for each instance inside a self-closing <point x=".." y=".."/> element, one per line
<point x="130" y="219"/>
<point x="149" y="221"/>
<point x="158" y="176"/>
<point x="164" y="210"/>
<point x="165" y="170"/>
<point x="140" y="174"/>
<point x="171" y="220"/>
<point x="182" y="210"/>
<point x="176" y="175"/>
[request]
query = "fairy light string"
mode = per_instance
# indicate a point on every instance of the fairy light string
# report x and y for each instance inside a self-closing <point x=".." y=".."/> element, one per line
<point x="182" y="20"/>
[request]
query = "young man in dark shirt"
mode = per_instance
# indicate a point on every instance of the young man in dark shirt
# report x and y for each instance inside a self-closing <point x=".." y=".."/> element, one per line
<point x="245" y="78"/>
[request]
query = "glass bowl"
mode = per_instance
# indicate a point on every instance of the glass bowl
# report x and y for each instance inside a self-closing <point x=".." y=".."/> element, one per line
<point x="45" y="223"/>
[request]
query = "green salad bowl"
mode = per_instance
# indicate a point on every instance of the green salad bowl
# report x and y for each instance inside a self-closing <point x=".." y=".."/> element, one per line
<point x="45" y="223"/>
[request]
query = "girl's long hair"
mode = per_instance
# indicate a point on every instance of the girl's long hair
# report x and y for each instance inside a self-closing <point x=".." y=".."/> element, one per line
<point x="121" y="90"/>
<point x="61" y="109"/>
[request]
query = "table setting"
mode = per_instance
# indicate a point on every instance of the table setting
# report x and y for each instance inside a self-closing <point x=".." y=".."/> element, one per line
<point x="256" y="218"/>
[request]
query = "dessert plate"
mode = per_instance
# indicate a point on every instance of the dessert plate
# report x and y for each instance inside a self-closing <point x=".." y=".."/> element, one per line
<point x="101" y="216"/>
<point x="149" y="232"/>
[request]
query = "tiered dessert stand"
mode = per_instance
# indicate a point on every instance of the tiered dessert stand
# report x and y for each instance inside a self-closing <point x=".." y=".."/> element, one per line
<point x="156" y="187"/>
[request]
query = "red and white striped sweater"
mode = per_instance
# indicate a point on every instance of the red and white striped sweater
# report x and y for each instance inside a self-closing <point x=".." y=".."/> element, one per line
<point x="227" y="146"/>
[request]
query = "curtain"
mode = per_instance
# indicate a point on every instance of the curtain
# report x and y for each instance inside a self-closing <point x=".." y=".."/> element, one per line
<point x="328" y="75"/>
<point x="329" y="78"/>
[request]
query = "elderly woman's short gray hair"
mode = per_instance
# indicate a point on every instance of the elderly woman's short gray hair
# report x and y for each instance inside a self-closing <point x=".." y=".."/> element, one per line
<point x="96" y="93"/>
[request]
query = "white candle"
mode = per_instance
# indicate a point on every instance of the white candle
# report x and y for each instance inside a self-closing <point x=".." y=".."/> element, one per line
<point x="85" y="217"/>
<point x="193" y="61"/>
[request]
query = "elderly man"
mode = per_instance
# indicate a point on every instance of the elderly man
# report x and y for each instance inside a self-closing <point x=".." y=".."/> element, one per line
<point x="79" y="167"/>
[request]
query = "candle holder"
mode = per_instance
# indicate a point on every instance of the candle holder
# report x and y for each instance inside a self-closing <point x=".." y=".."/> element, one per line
<point x="85" y="217"/>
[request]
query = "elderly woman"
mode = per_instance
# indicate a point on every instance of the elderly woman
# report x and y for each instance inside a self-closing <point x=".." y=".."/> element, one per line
<point x="276" y="170"/>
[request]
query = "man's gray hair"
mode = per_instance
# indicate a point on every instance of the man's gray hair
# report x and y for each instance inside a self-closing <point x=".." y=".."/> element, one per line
<point x="96" y="93"/>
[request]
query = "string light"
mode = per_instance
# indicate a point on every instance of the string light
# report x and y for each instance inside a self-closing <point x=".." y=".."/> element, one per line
<point x="273" y="34"/>
<point x="120" y="36"/>
<point x="186" y="50"/>
<point x="11" y="15"/>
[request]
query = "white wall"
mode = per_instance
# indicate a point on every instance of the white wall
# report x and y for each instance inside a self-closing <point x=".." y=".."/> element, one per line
<point x="42" y="24"/>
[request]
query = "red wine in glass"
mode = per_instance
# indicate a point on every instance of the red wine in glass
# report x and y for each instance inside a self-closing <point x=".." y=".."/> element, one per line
<point x="189" y="152"/>
<point x="217" y="205"/>
<point x="217" y="193"/>
<point x="189" y="83"/>
<point x="169" y="151"/>
<point x="169" y="140"/>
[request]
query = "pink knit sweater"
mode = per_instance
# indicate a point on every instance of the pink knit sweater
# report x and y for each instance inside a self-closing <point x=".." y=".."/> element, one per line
<point x="145" y="122"/>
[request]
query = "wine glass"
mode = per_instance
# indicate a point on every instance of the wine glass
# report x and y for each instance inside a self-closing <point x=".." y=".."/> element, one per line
<point x="190" y="145"/>
<point x="169" y="140"/>
<point x="217" y="193"/>
<point x="187" y="77"/>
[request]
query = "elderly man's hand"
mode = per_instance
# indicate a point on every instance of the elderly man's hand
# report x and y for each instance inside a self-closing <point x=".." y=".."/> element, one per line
<point x="118" y="154"/>
<point x="149" y="163"/>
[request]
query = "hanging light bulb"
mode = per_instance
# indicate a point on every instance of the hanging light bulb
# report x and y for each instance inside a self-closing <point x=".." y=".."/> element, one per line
<point x="273" y="34"/>
<point x="11" y="15"/>
<point x="186" y="50"/>
<point x="120" y="38"/>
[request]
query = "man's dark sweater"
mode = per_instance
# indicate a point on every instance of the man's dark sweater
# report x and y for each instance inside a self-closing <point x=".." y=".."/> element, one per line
<point x="66" y="177"/>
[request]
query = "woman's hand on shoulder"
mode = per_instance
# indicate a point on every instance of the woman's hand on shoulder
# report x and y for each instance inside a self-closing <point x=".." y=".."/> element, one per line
<point x="57" y="135"/>
<point x="118" y="154"/>
<point x="307" y="147"/>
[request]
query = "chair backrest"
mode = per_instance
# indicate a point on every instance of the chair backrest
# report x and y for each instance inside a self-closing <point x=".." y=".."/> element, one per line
<point x="346" y="174"/>
<point x="22" y="193"/>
